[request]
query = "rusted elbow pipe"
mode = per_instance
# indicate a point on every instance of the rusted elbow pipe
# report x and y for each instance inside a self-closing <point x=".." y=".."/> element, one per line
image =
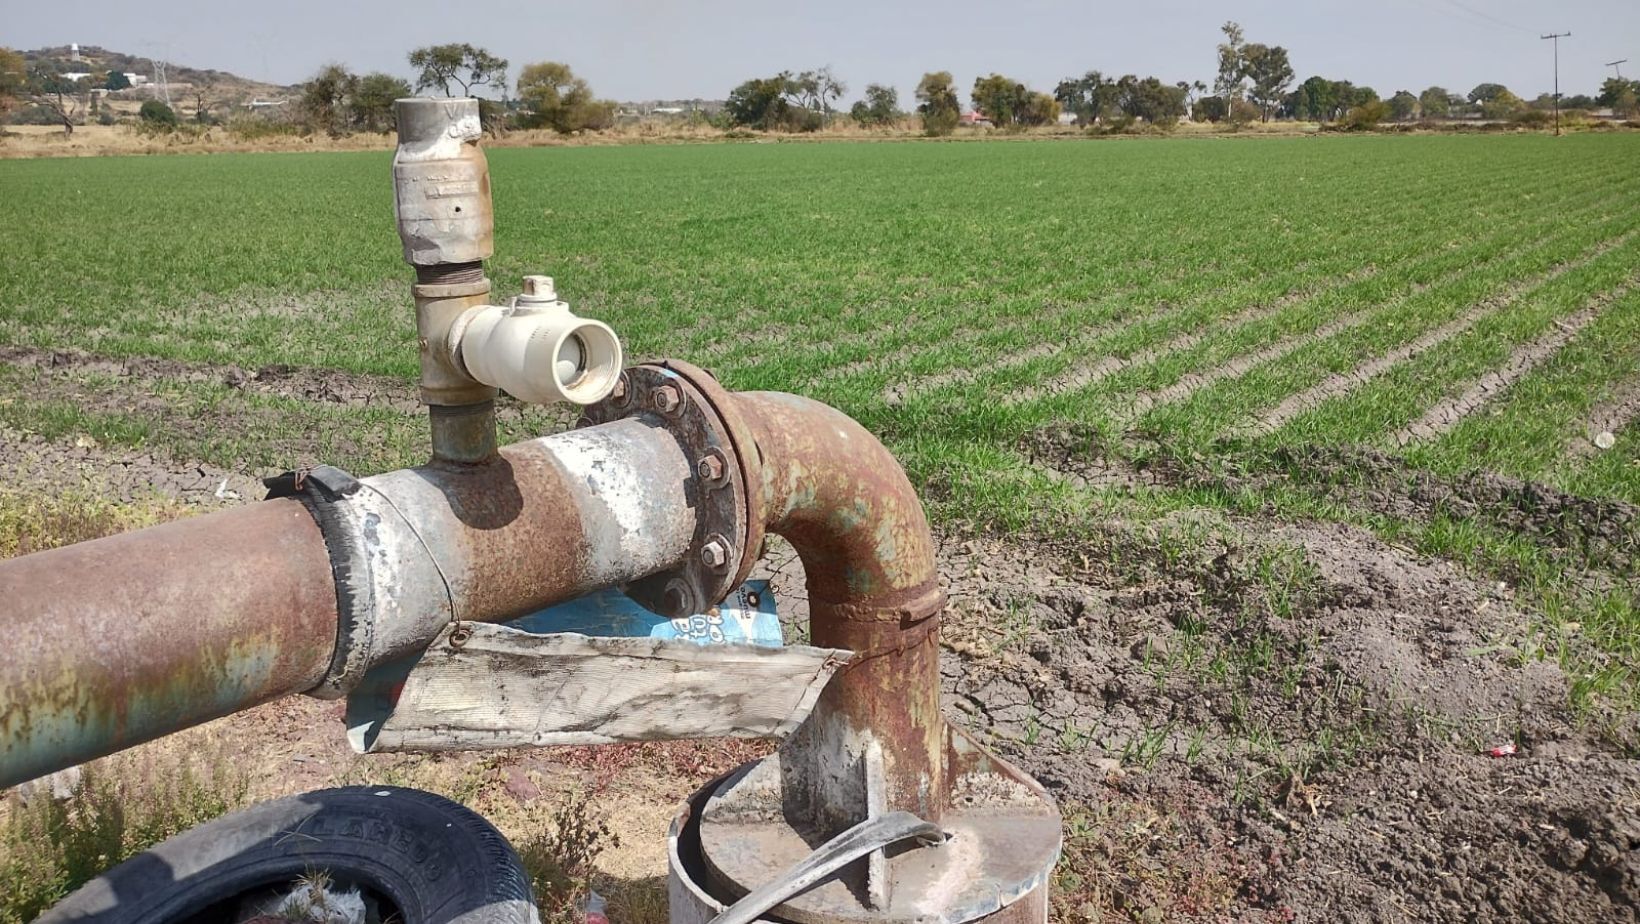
<point x="832" y="490"/>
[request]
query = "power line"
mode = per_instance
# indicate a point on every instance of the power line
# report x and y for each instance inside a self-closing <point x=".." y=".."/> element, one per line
<point x="1488" y="17"/>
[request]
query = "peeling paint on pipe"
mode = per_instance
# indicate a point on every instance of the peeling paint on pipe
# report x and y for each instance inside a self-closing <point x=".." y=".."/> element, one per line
<point x="113" y="642"/>
<point x="125" y="639"/>
<point x="842" y="500"/>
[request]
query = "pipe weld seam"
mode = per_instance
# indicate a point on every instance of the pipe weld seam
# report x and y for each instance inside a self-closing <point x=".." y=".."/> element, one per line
<point x="925" y="601"/>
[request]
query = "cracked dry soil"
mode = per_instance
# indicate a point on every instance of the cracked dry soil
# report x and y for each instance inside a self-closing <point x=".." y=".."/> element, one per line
<point x="1256" y="720"/>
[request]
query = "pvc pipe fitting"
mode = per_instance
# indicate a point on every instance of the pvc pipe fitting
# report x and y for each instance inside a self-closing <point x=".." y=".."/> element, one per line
<point x="536" y="349"/>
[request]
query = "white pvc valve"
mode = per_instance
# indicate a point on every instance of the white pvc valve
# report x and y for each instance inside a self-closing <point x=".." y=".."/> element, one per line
<point x="537" y="350"/>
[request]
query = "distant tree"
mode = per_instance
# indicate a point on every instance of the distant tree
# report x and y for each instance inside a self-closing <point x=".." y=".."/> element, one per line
<point x="1487" y="92"/>
<point x="157" y="114"/>
<point x="1242" y="113"/>
<point x="1039" y="109"/>
<point x="1435" y="103"/>
<point x="772" y="103"/>
<point x="1501" y="105"/>
<point x="1271" y="72"/>
<point x="1008" y="102"/>
<point x="462" y="64"/>
<point x="1316" y="100"/>
<point x="1209" y="109"/>
<point x="557" y="99"/>
<point x="1232" y="64"/>
<point x="998" y="98"/>
<point x="1151" y="100"/>
<point x="1577" y="101"/>
<point x="816" y="90"/>
<point x="13" y="78"/>
<point x="1620" y="95"/>
<point x="116" y="80"/>
<point x="880" y="107"/>
<point x="759" y="102"/>
<point x="1403" y="106"/>
<point x="322" y="105"/>
<point x="1350" y="96"/>
<point x="55" y="95"/>
<point x="937" y="102"/>
<point x="1090" y="97"/>
<point x="370" y="108"/>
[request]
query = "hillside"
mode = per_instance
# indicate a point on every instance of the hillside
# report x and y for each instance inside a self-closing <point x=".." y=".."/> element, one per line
<point x="222" y="84"/>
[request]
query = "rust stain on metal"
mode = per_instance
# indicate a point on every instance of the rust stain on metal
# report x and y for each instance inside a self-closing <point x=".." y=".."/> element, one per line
<point x="134" y="636"/>
<point x="832" y="490"/>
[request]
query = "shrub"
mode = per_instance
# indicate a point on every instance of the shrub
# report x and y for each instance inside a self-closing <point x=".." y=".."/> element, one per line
<point x="1532" y="118"/>
<point x="256" y="128"/>
<point x="1365" y="117"/>
<point x="560" y="861"/>
<point x="154" y="112"/>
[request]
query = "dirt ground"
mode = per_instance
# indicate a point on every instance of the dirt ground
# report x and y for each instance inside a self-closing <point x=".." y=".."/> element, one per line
<point x="1245" y="719"/>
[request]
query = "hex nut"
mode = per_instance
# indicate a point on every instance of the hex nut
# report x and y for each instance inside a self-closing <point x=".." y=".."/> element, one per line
<point x="667" y="399"/>
<point x="676" y="598"/>
<point x="622" y="391"/>
<point x="711" y="469"/>
<point x="715" y="553"/>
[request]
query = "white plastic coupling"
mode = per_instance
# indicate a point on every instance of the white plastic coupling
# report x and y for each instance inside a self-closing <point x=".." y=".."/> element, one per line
<point x="536" y="349"/>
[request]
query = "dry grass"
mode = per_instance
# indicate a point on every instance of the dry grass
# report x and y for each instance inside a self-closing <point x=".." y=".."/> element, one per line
<point x="119" y="807"/>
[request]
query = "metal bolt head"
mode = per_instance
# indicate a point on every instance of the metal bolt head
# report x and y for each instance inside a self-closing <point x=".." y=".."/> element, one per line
<point x="667" y="399"/>
<point x="715" y="553"/>
<point x="710" y="468"/>
<point x="622" y="392"/>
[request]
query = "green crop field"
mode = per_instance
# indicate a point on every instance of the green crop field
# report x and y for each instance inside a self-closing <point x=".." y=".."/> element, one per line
<point x="1431" y="341"/>
<point x="952" y="297"/>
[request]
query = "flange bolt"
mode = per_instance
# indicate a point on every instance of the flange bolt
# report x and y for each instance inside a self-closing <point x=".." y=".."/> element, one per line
<point x="668" y="400"/>
<point x="711" y="469"/>
<point x="715" y="553"/>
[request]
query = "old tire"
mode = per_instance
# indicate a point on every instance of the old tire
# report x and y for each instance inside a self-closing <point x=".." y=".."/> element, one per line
<point x="436" y="861"/>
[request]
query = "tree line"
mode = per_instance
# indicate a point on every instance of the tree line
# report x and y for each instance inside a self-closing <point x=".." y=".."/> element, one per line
<point x="548" y="94"/>
<point x="1254" y="82"/>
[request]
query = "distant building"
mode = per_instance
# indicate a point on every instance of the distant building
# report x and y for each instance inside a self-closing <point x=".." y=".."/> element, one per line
<point x="76" y="75"/>
<point x="74" y="51"/>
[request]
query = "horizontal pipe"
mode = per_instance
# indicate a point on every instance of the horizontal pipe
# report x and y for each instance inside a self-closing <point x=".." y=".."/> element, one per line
<point x="122" y="640"/>
<point x="113" y="642"/>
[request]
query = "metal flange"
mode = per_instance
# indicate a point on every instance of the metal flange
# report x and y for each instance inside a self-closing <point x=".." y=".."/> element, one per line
<point x="702" y="416"/>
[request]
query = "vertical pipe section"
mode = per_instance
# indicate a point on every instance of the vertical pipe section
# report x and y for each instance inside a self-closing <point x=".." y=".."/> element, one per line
<point x="842" y="500"/>
<point x="113" y="642"/>
<point x="441" y="200"/>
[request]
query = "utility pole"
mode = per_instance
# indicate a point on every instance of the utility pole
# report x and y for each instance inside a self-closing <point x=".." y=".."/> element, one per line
<point x="1556" y="37"/>
<point x="1616" y="66"/>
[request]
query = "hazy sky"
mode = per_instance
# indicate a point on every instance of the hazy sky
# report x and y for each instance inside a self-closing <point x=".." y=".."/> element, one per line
<point x="634" y="50"/>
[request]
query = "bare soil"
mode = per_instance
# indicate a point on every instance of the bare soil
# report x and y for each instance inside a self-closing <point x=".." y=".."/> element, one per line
<point x="1244" y="719"/>
<point x="1446" y="415"/>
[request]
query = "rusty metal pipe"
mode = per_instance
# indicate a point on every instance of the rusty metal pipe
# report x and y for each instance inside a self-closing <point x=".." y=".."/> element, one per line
<point x="876" y="742"/>
<point x="120" y="640"/>
<point x="842" y="500"/>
